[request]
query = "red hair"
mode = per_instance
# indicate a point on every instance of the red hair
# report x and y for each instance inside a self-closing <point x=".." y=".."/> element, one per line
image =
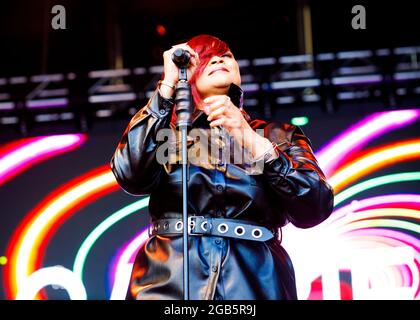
<point x="206" y="46"/>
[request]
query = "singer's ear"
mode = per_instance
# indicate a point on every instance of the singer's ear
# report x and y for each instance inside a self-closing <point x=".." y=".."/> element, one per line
<point x="236" y="95"/>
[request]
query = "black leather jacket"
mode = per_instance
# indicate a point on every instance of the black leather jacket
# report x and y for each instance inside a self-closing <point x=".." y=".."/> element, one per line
<point x="291" y="188"/>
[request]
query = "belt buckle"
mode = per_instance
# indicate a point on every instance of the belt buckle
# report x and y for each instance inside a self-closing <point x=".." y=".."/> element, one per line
<point x="192" y="223"/>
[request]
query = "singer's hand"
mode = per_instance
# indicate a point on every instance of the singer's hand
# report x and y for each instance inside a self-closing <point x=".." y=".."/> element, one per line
<point x="222" y="112"/>
<point x="171" y="71"/>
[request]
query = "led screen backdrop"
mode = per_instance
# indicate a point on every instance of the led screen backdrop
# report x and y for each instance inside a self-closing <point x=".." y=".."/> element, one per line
<point x="68" y="229"/>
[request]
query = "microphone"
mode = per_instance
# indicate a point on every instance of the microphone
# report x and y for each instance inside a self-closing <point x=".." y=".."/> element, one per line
<point x="181" y="57"/>
<point x="184" y="106"/>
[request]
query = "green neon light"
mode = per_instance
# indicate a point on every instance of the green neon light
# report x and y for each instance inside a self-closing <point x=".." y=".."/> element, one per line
<point x="80" y="260"/>
<point x="3" y="261"/>
<point x="299" y="121"/>
<point x="375" y="182"/>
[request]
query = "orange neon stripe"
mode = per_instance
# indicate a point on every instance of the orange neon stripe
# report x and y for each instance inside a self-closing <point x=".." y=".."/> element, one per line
<point x="43" y="238"/>
<point x="374" y="166"/>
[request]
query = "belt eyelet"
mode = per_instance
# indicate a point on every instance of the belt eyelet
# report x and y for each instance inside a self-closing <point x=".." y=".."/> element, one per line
<point x="178" y="226"/>
<point x="239" y="230"/>
<point x="223" y="228"/>
<point x="204" y="225"/>
<point x="257" y="233"/>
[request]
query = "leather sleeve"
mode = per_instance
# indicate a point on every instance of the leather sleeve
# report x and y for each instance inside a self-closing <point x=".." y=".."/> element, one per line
<point x="134" y="163"/>
<point x="297" y="179"/>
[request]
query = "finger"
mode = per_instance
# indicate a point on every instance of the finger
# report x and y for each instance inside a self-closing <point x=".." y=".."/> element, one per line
<point x="226" y="122"/>
<point x="218" y="122"/>
<point x="223" y="101"/>
<point x="213" y="106"/>
<point x="214" y="98"/>
<point x="217" y="113"/>
<point x="194" y="61"/>
<point x="192" y="51"/>
<point x="217" y="99"/>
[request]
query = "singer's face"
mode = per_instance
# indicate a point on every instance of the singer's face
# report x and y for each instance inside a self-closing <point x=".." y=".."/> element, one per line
<point x="218" y="75"/>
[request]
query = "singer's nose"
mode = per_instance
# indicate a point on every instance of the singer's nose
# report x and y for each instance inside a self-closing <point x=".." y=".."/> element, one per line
<point x="217" y="59"/>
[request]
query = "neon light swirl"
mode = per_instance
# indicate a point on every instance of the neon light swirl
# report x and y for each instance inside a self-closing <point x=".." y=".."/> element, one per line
<point x="365" y="222"/>
<point x="374" y="160"/>
<point x="93" y="236"/>
<point x="373" y="183"/>
<point x="371" y="223"/>
<point x="355" y="137"/>
<point x="30" y="240"/>
<point x="21" y="155"/>
<point x="124" y="264"/>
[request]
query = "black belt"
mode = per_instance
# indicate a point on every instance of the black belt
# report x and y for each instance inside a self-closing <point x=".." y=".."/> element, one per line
<point x="221" y="227"/>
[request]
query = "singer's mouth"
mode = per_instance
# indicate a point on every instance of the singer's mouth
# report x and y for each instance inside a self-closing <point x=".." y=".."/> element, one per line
<point x="218" y="69"/>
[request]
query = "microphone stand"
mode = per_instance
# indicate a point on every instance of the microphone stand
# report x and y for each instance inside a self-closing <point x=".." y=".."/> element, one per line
<point x="183" y="122"/>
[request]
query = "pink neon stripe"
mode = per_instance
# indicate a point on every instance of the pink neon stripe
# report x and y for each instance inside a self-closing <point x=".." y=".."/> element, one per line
<point x="37" y="149"/>
<point x="127" y="254"/>
<point x="389" y="233"/>
<point x="358" y="205"/>
<point x="330" y="163"/>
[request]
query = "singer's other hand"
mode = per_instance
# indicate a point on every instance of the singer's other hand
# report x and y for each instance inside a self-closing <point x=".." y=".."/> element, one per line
<point x="222" y="112"/>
